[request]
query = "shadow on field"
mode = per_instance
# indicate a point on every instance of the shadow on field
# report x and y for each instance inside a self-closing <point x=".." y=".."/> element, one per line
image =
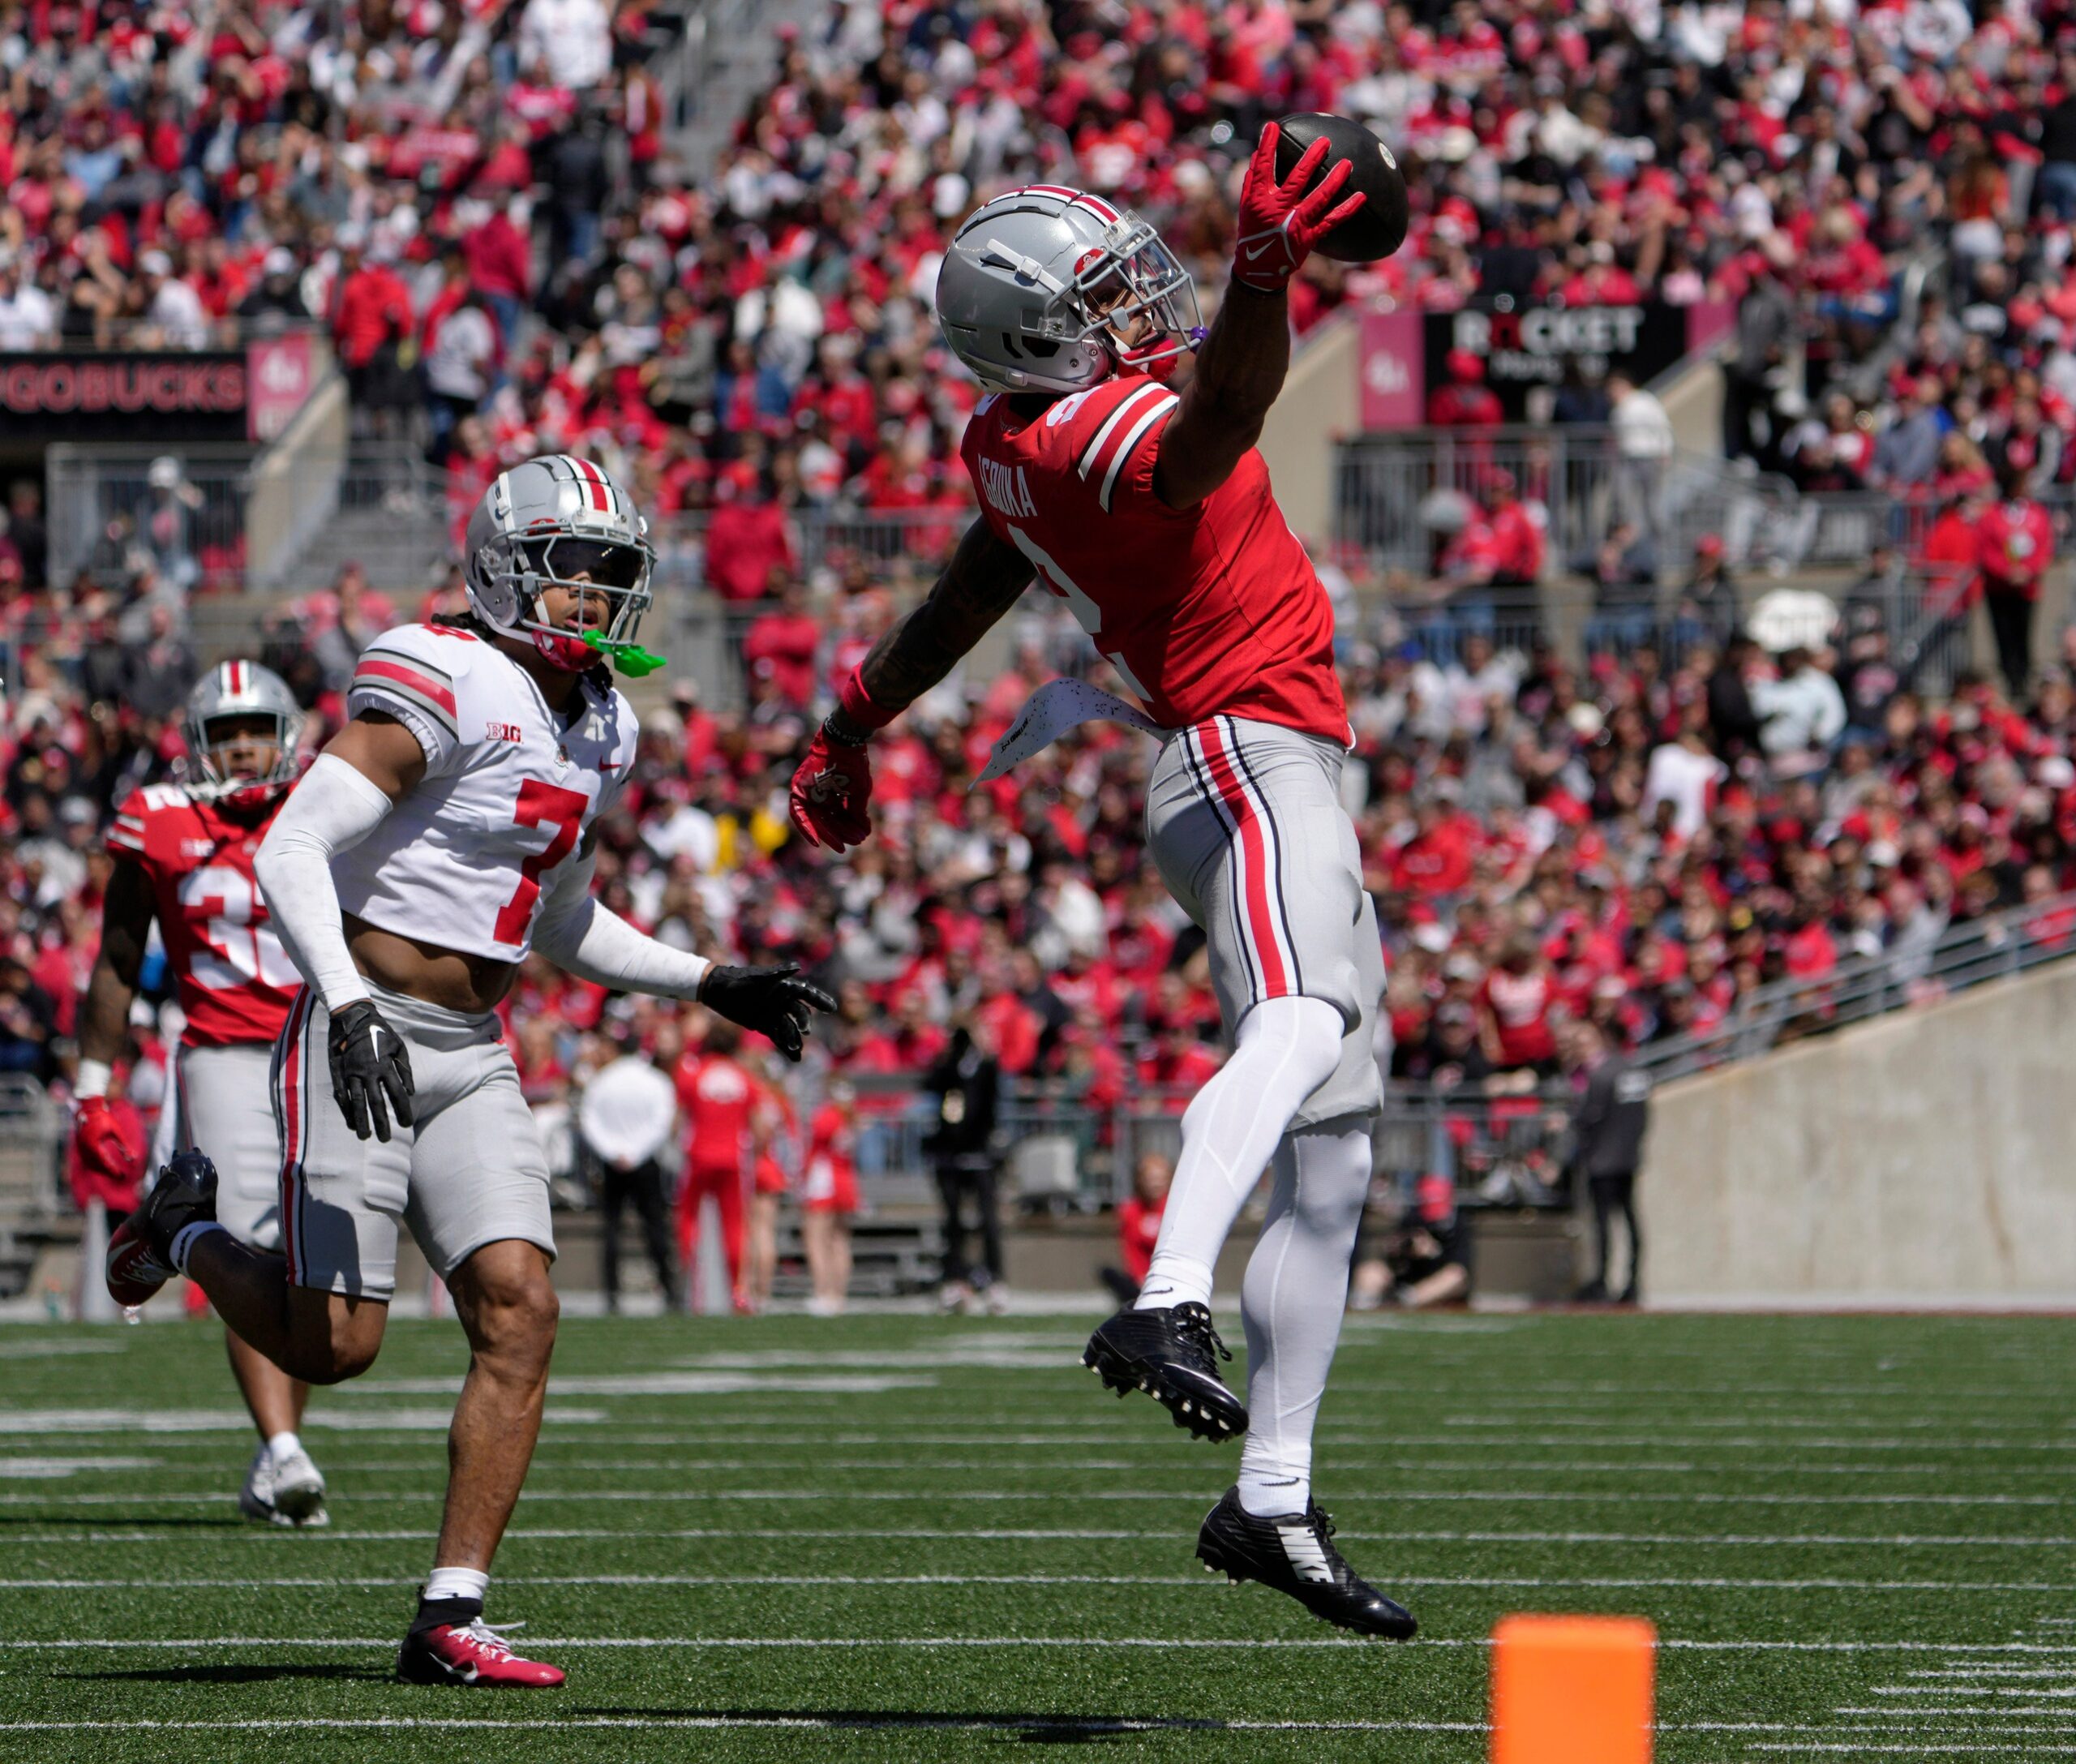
<point x="1031" y="1729"/>
<point x="256" y="1672"/>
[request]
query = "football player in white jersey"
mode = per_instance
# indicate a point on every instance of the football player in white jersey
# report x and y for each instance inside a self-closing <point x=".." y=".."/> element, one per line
<point x="443" y="834"/>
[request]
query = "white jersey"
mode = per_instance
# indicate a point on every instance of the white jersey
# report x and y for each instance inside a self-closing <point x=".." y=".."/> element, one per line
<point x="510" y="790"/>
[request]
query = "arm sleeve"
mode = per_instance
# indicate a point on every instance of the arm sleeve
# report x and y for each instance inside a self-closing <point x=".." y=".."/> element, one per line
<point x="332" y="809"/>
<point x="595" y="943"/>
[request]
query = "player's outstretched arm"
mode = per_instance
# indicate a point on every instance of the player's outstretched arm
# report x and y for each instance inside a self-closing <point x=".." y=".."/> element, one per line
<point x="832" y="790"/>
<point x="125" y="925"/>
<point x="586" y="938"/>
<point x="1246" y="353"/>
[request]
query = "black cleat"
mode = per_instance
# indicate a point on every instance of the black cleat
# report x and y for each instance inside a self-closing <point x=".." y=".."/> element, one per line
<point x="1293" y="1553"/>
<point x="1171" y="1354"/>
<point x="140" y="1251"/>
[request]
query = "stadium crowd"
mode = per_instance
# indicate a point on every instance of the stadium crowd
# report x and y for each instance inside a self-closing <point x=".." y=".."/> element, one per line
<point x="1637" y="843"/>
<point x="478" y="202"/>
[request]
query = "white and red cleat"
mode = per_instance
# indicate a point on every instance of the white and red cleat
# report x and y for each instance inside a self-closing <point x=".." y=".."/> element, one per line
<point x="471" y="1654"/>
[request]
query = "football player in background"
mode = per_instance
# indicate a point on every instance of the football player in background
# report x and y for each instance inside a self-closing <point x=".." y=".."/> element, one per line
<point x="183" y="856"/>
<point x="443" y="834"/>
<point x="1150" y="512"/>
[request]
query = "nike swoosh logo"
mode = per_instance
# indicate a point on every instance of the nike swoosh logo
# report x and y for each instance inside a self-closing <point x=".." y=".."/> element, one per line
<point x="1256" y="251"/>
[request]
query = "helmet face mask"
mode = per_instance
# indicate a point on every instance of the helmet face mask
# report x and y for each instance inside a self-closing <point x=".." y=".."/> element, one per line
<point x="1042" y="287"/>
<point x="251" y="698"/>
<point x="558" y="522"/>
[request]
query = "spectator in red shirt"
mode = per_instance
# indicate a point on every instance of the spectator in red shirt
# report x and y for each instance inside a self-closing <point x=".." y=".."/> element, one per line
<point x="1436" y="860"/>
<point x="2014" y="545"/>
<point x="1516" y="537"/>
<point x="371" y="307"/>
<point x="779" y="647"/>
<point x="747" y="540"/>
<point x="1514" y="1003"/>
<point x="719" y="1098"/>
<point x="1465" y="401"/>
<point x="1139" y="1225"/>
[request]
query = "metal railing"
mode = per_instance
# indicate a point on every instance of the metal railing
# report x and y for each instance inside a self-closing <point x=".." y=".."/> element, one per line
<point x="204" y="528"/>
<point x="1396" y="492"/>
<point x="1924" y="971"/>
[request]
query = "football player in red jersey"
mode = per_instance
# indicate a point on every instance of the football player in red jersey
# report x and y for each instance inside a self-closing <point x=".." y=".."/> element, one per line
<point x="1149" y="511"/>
<point x="183" y="856"/>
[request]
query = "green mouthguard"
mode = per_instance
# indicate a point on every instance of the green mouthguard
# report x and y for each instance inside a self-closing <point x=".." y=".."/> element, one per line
<point x="629" y="659"/>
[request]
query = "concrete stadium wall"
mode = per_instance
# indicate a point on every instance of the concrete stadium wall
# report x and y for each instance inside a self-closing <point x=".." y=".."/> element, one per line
<point x="1320" y="407"/>
<point x="1923" y="1159"/>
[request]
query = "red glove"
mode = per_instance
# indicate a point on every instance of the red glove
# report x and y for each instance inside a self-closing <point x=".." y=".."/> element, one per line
<point x="832" y="792"/>
<point x="1279" y="223"/>
<point x="102" y="1148"/>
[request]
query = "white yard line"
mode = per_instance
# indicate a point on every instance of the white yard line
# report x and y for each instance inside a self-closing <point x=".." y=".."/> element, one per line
<point x="935" y="1641"/>
<point x="2057" y="1589"/>
<point x="1394" y="1497"/>
<point x="340" y="1534"/>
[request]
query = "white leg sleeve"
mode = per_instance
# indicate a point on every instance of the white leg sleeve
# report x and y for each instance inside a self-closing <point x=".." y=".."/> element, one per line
<point x="1291" y="1304"/>
<point x="1286" y="1049"/>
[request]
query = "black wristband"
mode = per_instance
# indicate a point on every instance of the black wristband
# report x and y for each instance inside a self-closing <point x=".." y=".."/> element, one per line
<point x="840" y="729"/>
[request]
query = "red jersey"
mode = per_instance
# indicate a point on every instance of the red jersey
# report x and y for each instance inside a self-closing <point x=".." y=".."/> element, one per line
<point x="1203" y="611"/>
<point x="2014" y="544"/>
<point x="1519" y="1004"/>
<point x="235" y="980"/>
<point x="719" y="1098"/>
<point x="1138" y="1228"/>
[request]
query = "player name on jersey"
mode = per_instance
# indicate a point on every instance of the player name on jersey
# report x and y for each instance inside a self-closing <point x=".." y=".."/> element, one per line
<point x="1007" y="490"/>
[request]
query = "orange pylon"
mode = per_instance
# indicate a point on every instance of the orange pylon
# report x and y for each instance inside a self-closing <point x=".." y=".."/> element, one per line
<point x="1572" y="1690"/>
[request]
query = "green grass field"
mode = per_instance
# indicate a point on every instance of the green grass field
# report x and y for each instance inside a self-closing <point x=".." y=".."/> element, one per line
<point x="899" y="1538"/>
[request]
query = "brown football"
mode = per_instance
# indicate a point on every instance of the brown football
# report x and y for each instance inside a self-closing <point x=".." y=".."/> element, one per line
<point x="1377" y="229"/>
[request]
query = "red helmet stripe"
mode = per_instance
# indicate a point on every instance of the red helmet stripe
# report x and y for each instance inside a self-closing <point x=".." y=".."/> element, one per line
<point x="235" y="684"/>
<point x="595" y="480"/>
<point x="1079" y="199"/>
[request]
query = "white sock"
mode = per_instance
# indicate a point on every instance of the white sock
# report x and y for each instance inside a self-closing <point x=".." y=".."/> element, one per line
<point x="1291" y="1304"/>
<point x="283" y="1445"/>
<point x="185" y="1239"/>
<point x="1286" y="1049"/>
<point x="457" y="1583"/>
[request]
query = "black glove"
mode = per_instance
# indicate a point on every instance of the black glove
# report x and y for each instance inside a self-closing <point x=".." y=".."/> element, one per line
<point x="772" y="1001"/>
<point x="369" y="1063"/>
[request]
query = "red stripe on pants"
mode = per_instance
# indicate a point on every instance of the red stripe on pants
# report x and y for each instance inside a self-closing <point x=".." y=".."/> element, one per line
<point x="1253" y="862"/>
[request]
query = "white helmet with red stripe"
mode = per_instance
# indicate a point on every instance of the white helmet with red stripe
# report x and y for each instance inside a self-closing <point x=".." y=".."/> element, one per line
<point x="558" y="521"/>
<point x="1041" y="287"/>
<point x="239" y="690"/>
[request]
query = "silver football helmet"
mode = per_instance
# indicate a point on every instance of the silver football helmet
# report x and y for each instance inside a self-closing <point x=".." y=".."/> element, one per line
<point x="547" y="523"/>
<point x="1038" y="286"/>
<point x="239" y="688"/>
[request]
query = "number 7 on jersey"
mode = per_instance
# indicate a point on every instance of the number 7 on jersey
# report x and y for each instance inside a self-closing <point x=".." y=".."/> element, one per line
<point x="539" y="804"/>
